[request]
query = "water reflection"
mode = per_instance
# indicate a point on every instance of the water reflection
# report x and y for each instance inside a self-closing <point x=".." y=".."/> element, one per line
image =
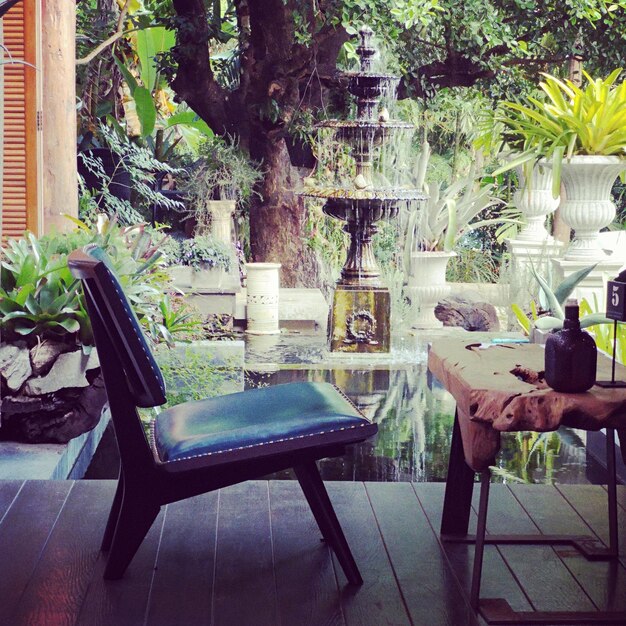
<point x="415" y="417"/>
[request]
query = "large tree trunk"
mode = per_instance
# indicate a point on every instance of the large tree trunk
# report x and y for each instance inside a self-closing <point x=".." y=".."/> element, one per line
<point x="276" y="74"/>
<point x="277" y="219"/>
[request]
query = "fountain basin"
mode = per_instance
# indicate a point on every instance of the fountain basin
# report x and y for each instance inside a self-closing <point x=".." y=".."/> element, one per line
<point x="359" y="133"/>
<point x="363" y="205"/>
<point x="371" y="85"/>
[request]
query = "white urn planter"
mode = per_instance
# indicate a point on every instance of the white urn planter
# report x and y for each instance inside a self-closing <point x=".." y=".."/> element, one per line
<point x="222" y="219"/>
<point x="587" y="206"/>
<point x="427" y="285"/>
<point x="535" y="201"/>
<point x="262" y="298"/>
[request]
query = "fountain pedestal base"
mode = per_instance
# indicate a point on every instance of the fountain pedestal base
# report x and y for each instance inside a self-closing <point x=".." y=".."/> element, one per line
<point x="360" y="319"/>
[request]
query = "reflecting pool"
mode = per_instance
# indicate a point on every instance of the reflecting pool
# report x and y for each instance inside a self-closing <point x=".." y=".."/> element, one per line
<point x="413" y="412"/>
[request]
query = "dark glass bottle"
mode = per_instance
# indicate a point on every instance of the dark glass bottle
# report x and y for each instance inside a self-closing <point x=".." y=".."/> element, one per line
<point x="571" y="355"/>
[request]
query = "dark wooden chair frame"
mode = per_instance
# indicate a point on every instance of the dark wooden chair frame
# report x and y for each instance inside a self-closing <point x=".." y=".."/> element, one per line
<point x="144" y="485"/>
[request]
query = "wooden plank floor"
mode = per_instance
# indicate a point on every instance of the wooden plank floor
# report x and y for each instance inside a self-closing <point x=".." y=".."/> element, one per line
<point x="251" y="555"/>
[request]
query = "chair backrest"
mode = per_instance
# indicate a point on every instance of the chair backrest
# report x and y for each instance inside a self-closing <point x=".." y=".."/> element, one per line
<point x="117" y="331"/>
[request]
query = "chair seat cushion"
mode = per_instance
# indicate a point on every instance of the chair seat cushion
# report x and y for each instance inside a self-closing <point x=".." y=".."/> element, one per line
<point x="256" y="423"/>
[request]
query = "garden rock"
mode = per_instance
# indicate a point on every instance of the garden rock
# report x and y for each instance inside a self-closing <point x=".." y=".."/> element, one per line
<point x="64" y="402"/>
<point x="53" y="418"/>
<point x="68" y="371"/>
<point x="470" y="315"/>
<point x="44" y="354"/>
<point x="15" y="365"/>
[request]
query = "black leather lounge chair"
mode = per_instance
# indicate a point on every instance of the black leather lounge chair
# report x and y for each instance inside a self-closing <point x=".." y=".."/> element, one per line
<point x="200" y="446"/>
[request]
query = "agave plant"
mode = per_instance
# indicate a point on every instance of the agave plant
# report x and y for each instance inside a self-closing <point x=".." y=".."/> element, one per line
<point x="569" y="120"/>
<point x="450" y="212"/>
<point x="553" y="300"/>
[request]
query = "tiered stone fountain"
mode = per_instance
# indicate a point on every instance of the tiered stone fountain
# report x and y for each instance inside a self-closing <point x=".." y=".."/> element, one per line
<point x="360" y="317"/>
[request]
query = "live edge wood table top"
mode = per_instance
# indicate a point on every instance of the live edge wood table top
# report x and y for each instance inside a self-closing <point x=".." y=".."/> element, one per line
<point x="500" y="387"/>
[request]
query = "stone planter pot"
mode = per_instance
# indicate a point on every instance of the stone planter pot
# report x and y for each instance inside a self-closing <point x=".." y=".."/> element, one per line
<point x="222" y="220"/>
<point x="262" y="298"/>
<point x="187" y="277"/>
<point x="534" y="199"/>
<point x="587" y="206"/>
<point x="427" y="285"/>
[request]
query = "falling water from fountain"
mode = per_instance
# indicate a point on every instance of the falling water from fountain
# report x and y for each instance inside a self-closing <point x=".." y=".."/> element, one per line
<point x="360" y="319"/>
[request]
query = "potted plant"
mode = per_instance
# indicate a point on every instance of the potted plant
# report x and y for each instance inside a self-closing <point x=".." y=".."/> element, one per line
<point x="433" y="230"/>
<point x="218" y="181"/>
<point x="198" y="263"/>
<point x="51" y="386"/>
<point x="551" y="302"/>
<point x="580" y="134"/>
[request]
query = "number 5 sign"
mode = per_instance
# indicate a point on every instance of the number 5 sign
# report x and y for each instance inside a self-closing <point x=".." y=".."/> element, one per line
<point x="616" y="301"/>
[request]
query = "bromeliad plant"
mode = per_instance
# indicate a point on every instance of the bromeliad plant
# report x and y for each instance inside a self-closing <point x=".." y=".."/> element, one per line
<point x="569" y="120"/>
<point x="39" y="299"/>
<point x="552" y="300"/>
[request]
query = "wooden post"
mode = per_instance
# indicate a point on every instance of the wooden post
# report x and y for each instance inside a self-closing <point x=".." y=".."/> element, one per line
<point x="59" y="113"/>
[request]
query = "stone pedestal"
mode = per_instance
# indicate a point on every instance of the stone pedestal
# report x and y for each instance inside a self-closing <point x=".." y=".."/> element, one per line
<point x="222" y="219"/>
<point x="360" y="319"/>
<point x="592" y="288"/>
<point x="527" y="254"/>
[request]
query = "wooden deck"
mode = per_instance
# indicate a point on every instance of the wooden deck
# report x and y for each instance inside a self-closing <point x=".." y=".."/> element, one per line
<point x="251" y="555"/>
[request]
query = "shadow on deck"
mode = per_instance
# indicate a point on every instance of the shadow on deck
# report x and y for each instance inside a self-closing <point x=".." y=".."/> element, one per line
<point x="251" y="555"/>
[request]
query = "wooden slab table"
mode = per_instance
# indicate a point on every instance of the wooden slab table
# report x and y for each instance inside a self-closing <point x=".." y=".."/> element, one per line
<point x="500" y="388"/>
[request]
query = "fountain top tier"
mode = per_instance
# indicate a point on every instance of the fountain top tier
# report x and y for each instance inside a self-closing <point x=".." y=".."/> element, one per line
<point x="366" y="136"/>
<point x="366" y="85"/>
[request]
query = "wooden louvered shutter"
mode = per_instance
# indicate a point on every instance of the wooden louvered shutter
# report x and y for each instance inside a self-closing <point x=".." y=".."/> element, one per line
<point x="19" y="191"/>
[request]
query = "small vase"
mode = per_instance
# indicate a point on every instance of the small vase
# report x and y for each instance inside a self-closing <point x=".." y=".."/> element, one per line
<point x="587" y="206"/>
<point x="535" y="200"/>
<point x="262" y="298"/>
<point x="427" y="285"/>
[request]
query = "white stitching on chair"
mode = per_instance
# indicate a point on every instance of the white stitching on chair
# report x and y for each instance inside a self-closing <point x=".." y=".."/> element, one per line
<point x="252" y="445"/>
<point x="120" y="293"/>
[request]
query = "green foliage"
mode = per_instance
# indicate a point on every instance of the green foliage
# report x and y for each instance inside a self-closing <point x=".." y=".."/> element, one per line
<point x="448" y="213"/>
<point x="223" y="172"/>
<point x="39" y="298"/>
<point x="553" y="300"/>
<point x="203" y="251"/>
<point x="569" y="120"/>
<point x="604" y="334"/>
<point x="191" y="374"/>
<point x="171" y="321"/>
<point x="472" y="265"/>
<point x="140" y="165"/>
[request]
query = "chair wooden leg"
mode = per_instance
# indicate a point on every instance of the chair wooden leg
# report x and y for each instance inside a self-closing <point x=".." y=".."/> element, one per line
<point x="134" y="521"/>
<point x="109" y="531"/>
<point x="322" y="509"/>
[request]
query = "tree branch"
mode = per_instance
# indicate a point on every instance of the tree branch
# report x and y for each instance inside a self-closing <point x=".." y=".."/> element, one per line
<point x="119" y="32"/>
